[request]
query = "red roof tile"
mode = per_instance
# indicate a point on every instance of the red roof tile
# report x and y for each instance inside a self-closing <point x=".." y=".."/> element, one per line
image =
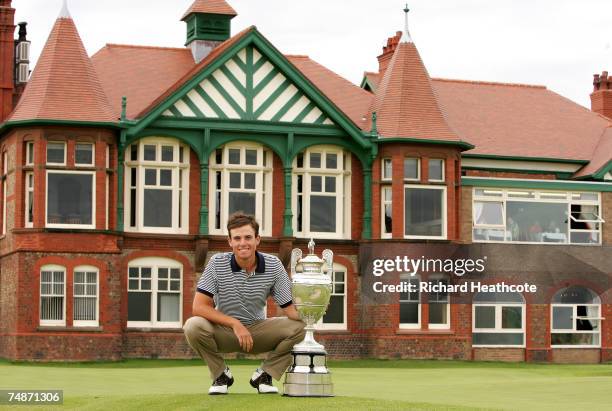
<point x="601" y="156"/>
<point x="210" y="7"/>
<point x="140" y="73"/>
<point x="406" y="105"/>
<point x="64" y="84"/>
<point x="373" y="79"/>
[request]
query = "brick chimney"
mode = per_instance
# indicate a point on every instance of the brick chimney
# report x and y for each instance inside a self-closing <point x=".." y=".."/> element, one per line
<point x="388" y="50"/>
<point x="7" y="58"/>
<point x="601" y="97"/>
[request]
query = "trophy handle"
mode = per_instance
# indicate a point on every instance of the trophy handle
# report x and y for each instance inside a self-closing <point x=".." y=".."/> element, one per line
<point x="328" y="256"/>
<point x="296" y="255"/>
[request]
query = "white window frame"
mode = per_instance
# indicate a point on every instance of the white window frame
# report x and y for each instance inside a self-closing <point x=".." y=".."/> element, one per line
<point x="320" y="325"/>
<point x="29" y="152"/>
<point x="433" y="180"/>
<point x="443" y="212"/>
<point x="411" y="326"/>
<point x="155" y="263"/>
<point x="52" y="323"/>
<point x="498" y="324"/>
<point x="263" y="185"/>
<point x="383" y="176"/>
<point x="29" y="195"/>
<point x="4" y="189"/>
<point x="47" y="153"/>
<point x="383" y="203"/>
<point x="93" y="200"/>
<point x="500" y="195"/>
<point x="177" y="190"/>
<point x="574" y="317"/>
<point x="93" y="154"/>
<point x="342" y="194"/>
<point x="447" y="325"/>
<point x="86" y="269"/>
<point x="418" y="177"/>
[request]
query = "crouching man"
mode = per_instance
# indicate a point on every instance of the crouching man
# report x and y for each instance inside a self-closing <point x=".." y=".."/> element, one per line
<point x="229" y="310"/>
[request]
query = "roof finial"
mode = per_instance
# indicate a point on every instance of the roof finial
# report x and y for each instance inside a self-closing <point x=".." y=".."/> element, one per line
<point x="64" y="13"/>
<point x="406" y="35"/>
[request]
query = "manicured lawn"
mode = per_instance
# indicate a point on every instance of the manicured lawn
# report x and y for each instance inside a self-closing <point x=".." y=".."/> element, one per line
<point x="367" y="384"/>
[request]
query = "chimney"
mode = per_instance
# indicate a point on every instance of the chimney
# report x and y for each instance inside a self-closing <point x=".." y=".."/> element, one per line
<point x="388" y="50"/>
<point x="22" y="62"/>
<point x="7" y="58"/>
<point x="601" y="97"/>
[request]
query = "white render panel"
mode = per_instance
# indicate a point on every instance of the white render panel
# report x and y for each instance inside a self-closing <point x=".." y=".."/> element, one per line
<point x="261" y="73"/>
<point x="328" y="121"/>
<point x="184" y="109"/>
<point x="201" y="104"/>
<point x="229" y="87"/>
<point x="256" y="55"/>
<point x="296" y="109"/>
<point x="218" y="98"/>
<point x="279" y="103"/>
<point x="168" y="113"/>
<point x="242" y="55"/>
<point x="268" y="90"/>
<point x="519" y="165"/>
<point x="314" y="114"/>
<point x="236" y="71"/>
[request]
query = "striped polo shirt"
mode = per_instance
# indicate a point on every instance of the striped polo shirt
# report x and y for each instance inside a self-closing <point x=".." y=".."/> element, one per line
<point x="241" y="295"/>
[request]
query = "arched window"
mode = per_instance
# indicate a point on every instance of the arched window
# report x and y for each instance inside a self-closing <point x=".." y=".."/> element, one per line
<point x="240" y="180"/>
<point x="335" y="316"/>
<point x="155" y="292"/>
<point x="157" y="186"/>
<point x="53" y="295"/>
<point x="321" y="193"/>
<point x="498" y="319"/>
<point x="576" y="318"/>
<point x="85" y="294"/>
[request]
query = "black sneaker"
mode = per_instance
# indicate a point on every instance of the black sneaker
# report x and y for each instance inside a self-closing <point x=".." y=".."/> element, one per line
<point x="222" y="383"/>
<point x="263" y="382"/>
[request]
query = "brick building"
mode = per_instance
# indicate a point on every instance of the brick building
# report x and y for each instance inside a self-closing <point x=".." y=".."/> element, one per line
<point x="119" y="170"/>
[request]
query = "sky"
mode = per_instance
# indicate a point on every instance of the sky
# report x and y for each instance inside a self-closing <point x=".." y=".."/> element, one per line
<point x="559" y="44"/>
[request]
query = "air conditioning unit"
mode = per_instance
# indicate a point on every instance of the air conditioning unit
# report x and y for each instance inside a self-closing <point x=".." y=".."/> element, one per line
<point x="23" y="72"/>
<point x="22" y="53"/>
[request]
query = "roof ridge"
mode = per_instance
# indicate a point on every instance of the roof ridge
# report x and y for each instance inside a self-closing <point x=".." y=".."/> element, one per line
<point x="490" y="83"/>
<point x="143" y="46"/>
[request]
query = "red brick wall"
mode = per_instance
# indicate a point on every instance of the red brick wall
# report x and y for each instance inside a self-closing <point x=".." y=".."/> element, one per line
<point x="356" y="198"/>
<point x="537" y="332"/>
<point x="576" y="355"/>
<point x="195" y="193"/>
<point x="606" y="231"/>
<point x="499" y="354"/>
<point x="509" y="174"/>
<point x="278" y="197"/>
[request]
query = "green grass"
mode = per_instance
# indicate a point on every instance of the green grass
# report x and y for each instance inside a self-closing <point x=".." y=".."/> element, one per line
<point x="363" y="384"/>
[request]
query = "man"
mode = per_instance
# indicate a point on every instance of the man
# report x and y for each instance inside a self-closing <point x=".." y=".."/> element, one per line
<point x="229" y="310"/>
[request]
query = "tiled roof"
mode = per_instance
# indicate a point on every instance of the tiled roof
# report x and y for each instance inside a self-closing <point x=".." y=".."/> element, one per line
<point x="350" y="99"/>
<point x="210" y="7"/>
<point x="602" y="155"/>
<point x="373" y="79"/>
<point x="519" y="120"/>
<point x="140" y="73"/>
<point x="64" y="84"/>
<point x="405" y="104"/>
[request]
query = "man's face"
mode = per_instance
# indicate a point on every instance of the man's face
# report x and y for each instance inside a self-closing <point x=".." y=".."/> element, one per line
<point x="243" y="242"/>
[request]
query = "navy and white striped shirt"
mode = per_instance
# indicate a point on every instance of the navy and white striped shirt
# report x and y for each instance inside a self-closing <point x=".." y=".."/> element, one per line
<point x="244" y="296"/>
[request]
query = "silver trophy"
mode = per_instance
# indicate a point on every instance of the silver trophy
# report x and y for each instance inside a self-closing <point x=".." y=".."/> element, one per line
<point x="311" y="287"/>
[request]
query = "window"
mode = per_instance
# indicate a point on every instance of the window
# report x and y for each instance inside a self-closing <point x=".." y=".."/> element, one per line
<point x="85" y="295"/>
<point x="576" y="318"/>
<point x="436" y="169"/>
<point x="412" y="169"/>
<point x="528" y="216"/>
<point x="439" y="307"/>
<point x="498" y="319"/>
<point x="241" y="180"/>
<point x="157" y="187"/>
<point x="29" y="155"/>
<point x="70" y="199"/>
<point x="386" y="207"/>
<point x="409" y="305"/>
<point x="56" y="153"/>
<point x="154" y="293"/>
<point x="335" y="316"/>
<point x="387" y="169"/>
<point x="321" y="193"/>
<point x="52" y="295"/>
<point x="425" y="211"/>
<point x="29" y="199"/>
<point x="4" y="190"/>
<point x="84" y="154"/>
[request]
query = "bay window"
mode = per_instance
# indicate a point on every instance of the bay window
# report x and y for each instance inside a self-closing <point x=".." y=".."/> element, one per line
<point x="335" y="316"/>
<point x="425" y="211"/>
<point x="498" y="320"/>
<point x="576" y="318"/>
<point x="70" y="199"/>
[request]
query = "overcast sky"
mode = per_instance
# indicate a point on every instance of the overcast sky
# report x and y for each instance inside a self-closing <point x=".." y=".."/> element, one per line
<point x="559" y="44"/>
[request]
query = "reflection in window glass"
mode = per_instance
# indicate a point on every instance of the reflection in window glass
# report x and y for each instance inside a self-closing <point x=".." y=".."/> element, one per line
<point x="70" y="198"/>
<point x="424" y="212"/>
<point x="436" y="169"/>
<point x="411" y="168"/>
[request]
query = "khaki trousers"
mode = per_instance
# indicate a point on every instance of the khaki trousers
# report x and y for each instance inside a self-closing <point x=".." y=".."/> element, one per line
<point x="276" y="336"/>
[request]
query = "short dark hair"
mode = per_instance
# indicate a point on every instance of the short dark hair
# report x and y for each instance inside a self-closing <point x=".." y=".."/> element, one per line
<point x="240" y="219"/>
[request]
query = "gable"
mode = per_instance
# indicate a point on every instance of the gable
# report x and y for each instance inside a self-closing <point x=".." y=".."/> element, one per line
<point x="248" y="86"/>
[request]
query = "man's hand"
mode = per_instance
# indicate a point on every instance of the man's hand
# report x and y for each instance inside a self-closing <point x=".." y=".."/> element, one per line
<point x="292" y="313"/>
<point x="244" y="336"/>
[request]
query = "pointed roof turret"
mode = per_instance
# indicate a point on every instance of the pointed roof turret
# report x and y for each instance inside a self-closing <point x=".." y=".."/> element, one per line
<point x="405" y="104"/>
<point x="210" y="7"/>
<point x="64" y="84"/>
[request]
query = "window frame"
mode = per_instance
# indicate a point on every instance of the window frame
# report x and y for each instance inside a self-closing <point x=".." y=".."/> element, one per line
<point x="595" y="303"/>
<point x="444" y="211"/>
<point x="383" y="203"/>
<point x="443" y="170"/>
<point x="52" y="268"/>
<point x="4" y="190"/>
<point x="498" y="329"/>
<point x="93" y="154"/>
<point x="86" y="269"/>
<point x="47" y="153"/>
<point x="343" y="175"/>
<point x="418" y="168"/>
<point x="29" y="152"/>
<point x="417" y="325"/>
<point x="383" y="162"/>
<point x="93" y="200"/>
<point x="29" y="195"/>
<point x="155" y="263"/>
<point x="320" y="325"/>
<point x="447" y="325"/>
<point x="263" y="185"/>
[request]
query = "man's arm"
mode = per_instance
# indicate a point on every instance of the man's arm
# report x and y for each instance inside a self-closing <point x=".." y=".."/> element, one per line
<point x="291" y="312"/>
<point x="203" y="306"/>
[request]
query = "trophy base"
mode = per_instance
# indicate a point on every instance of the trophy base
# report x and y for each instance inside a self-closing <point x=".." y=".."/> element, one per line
<point x="308" y="376"/>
